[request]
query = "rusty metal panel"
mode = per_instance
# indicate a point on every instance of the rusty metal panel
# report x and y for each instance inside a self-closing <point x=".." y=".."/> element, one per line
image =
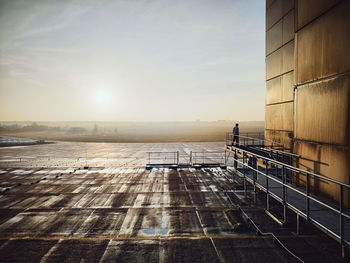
<point x="322" y="111"/>
<point x="323" y="46"/>
<point x="280" y="61"/>
<point x="281" y="137"/>
<point x="327" y="160"/>
<point x="274" y="90"/>
<point x="274" y="38"/>
<point x="273" y="13"/>
<point x="287" y="5"/>
<point x="288" y="27"/>
<point x="288" y="86"/>
<point x="279" y="116"/>
<point x="276" y="10"/>
<point x="308" y="10"/>
<point x="274" y="64"/>
<point x="268" y="3"/>
<point x="280" y="89"/>
<point x="288" y="57"/>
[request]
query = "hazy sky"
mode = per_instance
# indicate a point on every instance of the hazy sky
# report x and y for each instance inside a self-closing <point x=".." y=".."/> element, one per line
<point x="129" y="60"/>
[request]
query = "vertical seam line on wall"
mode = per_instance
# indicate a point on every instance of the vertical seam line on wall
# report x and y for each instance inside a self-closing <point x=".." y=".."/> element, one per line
<point x="295" y="58"/>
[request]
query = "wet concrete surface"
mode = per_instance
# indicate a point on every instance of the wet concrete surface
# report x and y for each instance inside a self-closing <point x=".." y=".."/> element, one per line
<point x="60" y="212"/>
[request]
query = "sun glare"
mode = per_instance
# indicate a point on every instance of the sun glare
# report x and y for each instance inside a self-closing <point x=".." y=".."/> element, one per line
<point x="103" y="97"/>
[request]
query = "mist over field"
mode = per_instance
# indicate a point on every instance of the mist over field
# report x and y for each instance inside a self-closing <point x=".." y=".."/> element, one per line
<point x="198" y="131"/>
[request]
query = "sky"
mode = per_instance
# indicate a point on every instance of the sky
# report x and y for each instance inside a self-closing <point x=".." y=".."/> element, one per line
<point x="132" y="60"/>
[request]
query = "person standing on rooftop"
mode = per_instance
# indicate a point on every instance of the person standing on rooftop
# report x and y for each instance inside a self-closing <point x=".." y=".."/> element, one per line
<point x="236" y="134"/>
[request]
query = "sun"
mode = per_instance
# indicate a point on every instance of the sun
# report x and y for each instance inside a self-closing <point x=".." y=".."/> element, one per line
<point x="103" y="97"/>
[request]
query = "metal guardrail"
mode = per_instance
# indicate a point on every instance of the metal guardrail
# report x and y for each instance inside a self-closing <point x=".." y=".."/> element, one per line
<point x="204" y="158"/>
<point x="274" y="150"/>
<point x="252" y="141"/>
<point x="163" y="158"/>
<point x="286" y="177"/>
<point x="258" y="135"/>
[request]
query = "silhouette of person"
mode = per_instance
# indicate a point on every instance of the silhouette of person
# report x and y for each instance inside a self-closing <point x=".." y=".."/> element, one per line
<point x="235" y="134"/>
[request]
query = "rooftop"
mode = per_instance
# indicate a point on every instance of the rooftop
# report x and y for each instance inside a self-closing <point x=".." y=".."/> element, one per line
<point x="54" y="210"/>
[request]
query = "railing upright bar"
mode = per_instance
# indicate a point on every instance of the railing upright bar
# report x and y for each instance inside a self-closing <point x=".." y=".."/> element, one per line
<point x="255" y="175"/>
<point x="307" y="196"/>
<point x="284" y="194"/>
<point x="267" y="186"/>
<point x="341" y="225"/>
<point x="225" y="161"/>
<point x="244" y="174"/>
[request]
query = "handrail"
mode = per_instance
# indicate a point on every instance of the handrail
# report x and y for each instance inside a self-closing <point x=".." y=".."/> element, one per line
<point x="295" y="169"/>
<point x="160" y="152"/>
<point x="253" y="138"/>
<point x="208" y="157"/>
<point x="282" y="178"/>
<point x="165" y="156"/>
<point x="295" y="189"/>
<point x="286" y="153"/>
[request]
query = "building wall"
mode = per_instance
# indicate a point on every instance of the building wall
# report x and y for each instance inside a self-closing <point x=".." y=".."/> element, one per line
<point x="308" y="84"/>
<point x="280" y="71"/>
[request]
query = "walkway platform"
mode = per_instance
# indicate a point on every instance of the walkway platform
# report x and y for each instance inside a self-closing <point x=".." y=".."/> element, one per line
<point x="271" y="170"/>
<point x="326" y="219"/>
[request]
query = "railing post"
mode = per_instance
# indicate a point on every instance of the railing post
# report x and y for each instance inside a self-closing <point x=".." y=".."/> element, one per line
<point x="244" y="176"/>
<point x="255" y="175"/>
<point x="244" y="165"/>
<point x="284" y="194"/>
<point x="263" y="142"/>
<point x="307" y="196"/>
<point x="297" y="173"/>
<point x="267" y="185"/>
<point x="235" y="163"/>
<point x="177" y="157"/>
<point x="341" y="197"/>
<point x="298" y="224"/>
<point x="225" y="163"/>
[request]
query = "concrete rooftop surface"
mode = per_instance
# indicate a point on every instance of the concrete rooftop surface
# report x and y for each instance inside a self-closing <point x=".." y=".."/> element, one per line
<point x="54" y="210"/>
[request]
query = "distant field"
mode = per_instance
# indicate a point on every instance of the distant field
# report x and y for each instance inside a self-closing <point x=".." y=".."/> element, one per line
<point x="142" y="132"/>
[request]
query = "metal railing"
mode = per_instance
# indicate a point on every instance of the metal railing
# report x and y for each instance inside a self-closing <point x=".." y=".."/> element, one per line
<point x="163" y="158"/>
<point x="208" y="157"/>
<point x="203" y="158"/>
<point x="287" y="178"/>
<point x="257" y="135"/>
<point x="252" y="141"/>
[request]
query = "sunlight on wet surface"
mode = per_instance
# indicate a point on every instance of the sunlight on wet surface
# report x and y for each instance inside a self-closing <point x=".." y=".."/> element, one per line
<point x="117" y="209"/>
